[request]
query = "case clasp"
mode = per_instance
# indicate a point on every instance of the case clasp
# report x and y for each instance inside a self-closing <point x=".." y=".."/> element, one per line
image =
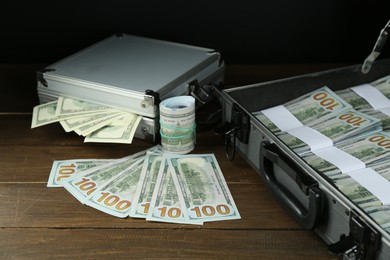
<point x="237" y="128"/>
<point x="203" y="94"/>
<point x="361" y="243"/>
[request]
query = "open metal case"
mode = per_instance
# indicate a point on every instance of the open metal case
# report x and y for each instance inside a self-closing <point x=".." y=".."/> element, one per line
<point x="133" y="73"/>
<point x="314" y="202"/>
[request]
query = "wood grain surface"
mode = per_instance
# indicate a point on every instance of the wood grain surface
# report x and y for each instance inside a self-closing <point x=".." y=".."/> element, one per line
<point x="37" y="222"/>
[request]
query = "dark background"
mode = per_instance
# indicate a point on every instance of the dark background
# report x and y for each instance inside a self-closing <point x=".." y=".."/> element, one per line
<point x="245" y="31"/>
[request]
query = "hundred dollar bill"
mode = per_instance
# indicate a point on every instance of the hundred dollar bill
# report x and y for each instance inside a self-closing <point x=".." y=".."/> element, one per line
<point x="338" y="127"/>
<point x="166" y="205"/>
<point x="74" y="123"/>
<point x="356" y="192"/>
<point x="385" y="119"/>
<point x="120" y="131"/>
<point x="62" y="170"/>
<point x="202" y="187"/>
<point x="381" y="215"/>
<point x="369" y="149"/>
<point x="116" y="197"/>
<point x="148" y="180"/>
<point x="97" y="124"/>
<point x="358" y="102"/>
<point x="45" y="114"/>
<point x="84" y="185"/>
<point x="368" y="110"/>
<point x="69" y="106"/>
<point x="310" y="107"/>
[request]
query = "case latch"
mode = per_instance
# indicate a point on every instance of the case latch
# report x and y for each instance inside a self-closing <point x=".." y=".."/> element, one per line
<point x="361" y="243"/>
<point x="203" y="94"/>
<point x="237" y="128"/>
<point x="151" y="98"/>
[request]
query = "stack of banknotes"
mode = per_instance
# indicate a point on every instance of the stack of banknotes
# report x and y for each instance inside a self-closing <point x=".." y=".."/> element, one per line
<point x="96" y="122"/>
<point x="352" y="125"/>
<point x="151" y="184"/>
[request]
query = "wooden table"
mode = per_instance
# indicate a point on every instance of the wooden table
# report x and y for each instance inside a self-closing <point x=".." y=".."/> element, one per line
<point x="38" y="222"/>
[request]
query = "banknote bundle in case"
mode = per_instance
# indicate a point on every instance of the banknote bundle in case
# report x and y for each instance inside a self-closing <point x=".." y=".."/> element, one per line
<point x="133" y="74"/>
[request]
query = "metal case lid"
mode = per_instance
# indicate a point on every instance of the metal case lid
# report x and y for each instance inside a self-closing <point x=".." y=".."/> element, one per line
<point x="133" y="63"/>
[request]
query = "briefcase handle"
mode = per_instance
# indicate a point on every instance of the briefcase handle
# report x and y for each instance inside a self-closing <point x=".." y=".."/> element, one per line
<point x="308" y="218"/>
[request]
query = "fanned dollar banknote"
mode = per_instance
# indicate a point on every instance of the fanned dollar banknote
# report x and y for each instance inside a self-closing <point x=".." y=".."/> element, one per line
<point x="148" y="181"/>
<point x="117" y="196"/>
<point x="166" y="203"/>
<point x="96" y="122"/>
<point x="62" y="170"/>
<point x="82" y="186"/>
<point x="142" y="185"/>
<point x="202" y="187"/>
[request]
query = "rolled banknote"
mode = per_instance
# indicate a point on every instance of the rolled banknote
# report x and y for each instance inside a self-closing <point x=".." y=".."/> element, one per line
<point x="177" y="124"/>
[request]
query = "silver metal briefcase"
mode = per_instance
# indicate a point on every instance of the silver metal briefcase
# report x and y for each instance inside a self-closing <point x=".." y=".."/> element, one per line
<point x="133" y="73"/>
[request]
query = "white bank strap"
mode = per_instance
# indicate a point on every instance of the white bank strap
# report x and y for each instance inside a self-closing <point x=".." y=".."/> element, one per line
<point x="342" y="160"/>
<point x="311" y="137"/>
<point x="373" y="96"/>
<point x="287" y="122"/>
<point x="374" y="183"/>
<point x="322" y="146"/>
<point x="385" y="111"/>
<point x="282" y="118"/>
<point x="350" y="165"/>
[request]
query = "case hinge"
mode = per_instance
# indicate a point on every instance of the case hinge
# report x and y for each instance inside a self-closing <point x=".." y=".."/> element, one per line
<point x="237" y="128"/>
<point x="361" y="243"/>
<point x="41" y="78"/>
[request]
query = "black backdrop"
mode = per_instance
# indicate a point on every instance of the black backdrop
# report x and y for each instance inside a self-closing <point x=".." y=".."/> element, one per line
<point x="246" y="31"/>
